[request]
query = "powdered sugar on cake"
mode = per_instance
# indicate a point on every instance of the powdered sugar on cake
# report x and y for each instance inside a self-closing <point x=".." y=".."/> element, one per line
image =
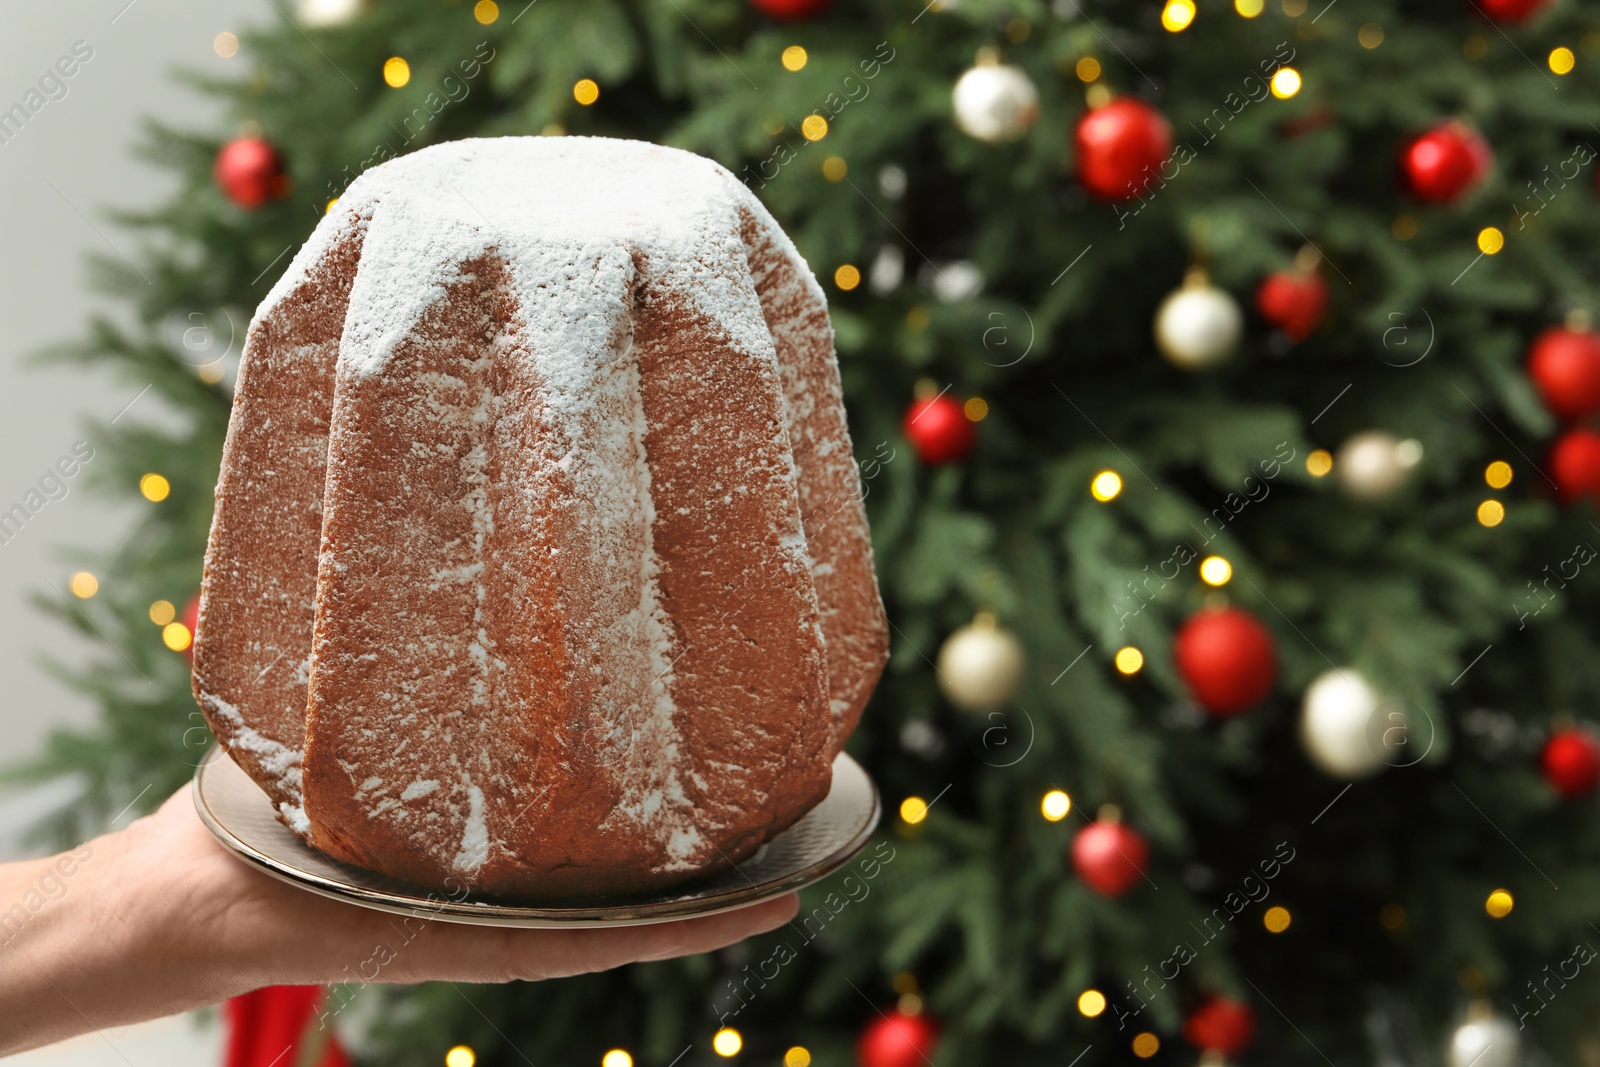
<point x="594" y="602"/>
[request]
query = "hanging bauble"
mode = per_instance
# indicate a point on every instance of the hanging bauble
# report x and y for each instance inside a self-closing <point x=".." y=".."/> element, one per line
<point x="939" y="429"/>
<point x="1121" y="146"/>
<point x="1485" y="1040"/>
<point x="323" y="13"/>
<point x="995" y="101"/>
<point x="981" y="664"/>
<point x="249" y="171"/>
<point x="1564" y="364"/>
<point x="1347" y="728"/>
<point x="191" y="622"/>
<point x="1574" y="466"/>
<point x="1571" y="762"/>
<point x="1227" y="658"/>
<point x="1294" y="301"/>
<point x="1509" y="11"/>
<point x="1221" y="1025"/>
<point x="1444" y="163"/>
<point x="791" y="10"/>
<point x="895" y="1039"/>
<point x="1198" y="325"/>
<point x="1374" y="464"/>
<point x="1109" y="856"/>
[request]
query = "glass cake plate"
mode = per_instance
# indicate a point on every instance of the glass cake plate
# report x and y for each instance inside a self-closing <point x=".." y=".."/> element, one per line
<point x="241" y="816"/>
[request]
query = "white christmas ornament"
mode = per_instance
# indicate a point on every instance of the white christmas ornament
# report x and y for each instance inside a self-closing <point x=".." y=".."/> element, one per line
<point x="1198" y="325"/>
<point x="1375" y="463"/>
<point x="1347" y="728"/>
<point x="326" y="12"/>
<point x="1485" y="1040"/>
<point x="980" y="665"/>
<point x="995" y="102"/>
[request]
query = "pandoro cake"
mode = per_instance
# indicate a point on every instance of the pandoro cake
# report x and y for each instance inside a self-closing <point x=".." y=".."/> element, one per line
<point x="539" y="563"/>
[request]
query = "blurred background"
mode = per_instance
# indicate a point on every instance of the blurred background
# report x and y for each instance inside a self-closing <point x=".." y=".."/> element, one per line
<point x="59" y="175"/>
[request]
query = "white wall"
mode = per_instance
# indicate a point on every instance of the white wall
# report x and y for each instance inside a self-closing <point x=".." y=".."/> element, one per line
<point x="80" y="144"/>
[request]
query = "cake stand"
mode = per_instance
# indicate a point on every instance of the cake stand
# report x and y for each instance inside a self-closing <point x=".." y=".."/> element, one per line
<point x="241" y="816"/>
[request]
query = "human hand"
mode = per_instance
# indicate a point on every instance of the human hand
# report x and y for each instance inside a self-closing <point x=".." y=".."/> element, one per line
<point x="158" y="918"/>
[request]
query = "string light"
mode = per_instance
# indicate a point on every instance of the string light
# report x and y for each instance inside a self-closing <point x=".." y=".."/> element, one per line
<point x="794" y="58"/>
<point x="162" y="612"/>
<point x="1370" y="35"/>
<point x="396" y="72"/>
<point x="1491" y="513"/>
<point x="1055" y="805"/>
<point x="1475" y="47"/>
<point x="1214" y="570"/>
<point x="1091" y="1002"/>
<point x="328" y="210"/>
<point x="1561" y="60"/>
<point x="616" y="1058"/>
<point x="155" y="488"/>
<point x="1106" y="486"/>
<point x="1392" y="917"/>
<point x="1285" y="83"/>
<point x="83" y="585"/>
<point x="847" y="277"/>
<point x="834" y="168"/>
<point x="1249" y="8"/>
<point x="586" y="91"/>
<point x="727" y="1042"/>
<point x="814" y="128"/>
<point x="1499" y="904"/>
<point x="1129" y="660"/>
<point x="1319" y="463"/>
<point x="225" y="45"/>
<point x="976" y="409"/>
<point x="798" y="1056"/>
<point x="1491" y="240"/>
<point x="486" y="11"/>
<point x="1404" y="228"/>
<point x="913" y="810"/>
<point x="1087" y="69"/>
<point x="176" y="636"/>
<point x="460" y="1056"/>
<point x="1146" y="1045"/>
<point x="1177" y="15"/>
<point x="1277" y="919"/>
<point x="1497" y="474"/>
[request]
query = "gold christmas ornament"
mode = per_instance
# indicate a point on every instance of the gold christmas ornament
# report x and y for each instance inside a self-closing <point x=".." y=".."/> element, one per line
<point x="1198" y="325"/>
<point x="981" y="664"/>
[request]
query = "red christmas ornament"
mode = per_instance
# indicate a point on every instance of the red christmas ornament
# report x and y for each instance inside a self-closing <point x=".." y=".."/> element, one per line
<point x="250" y="171"/>
<point x="1120" y="147"/>
<point x="1565" y="367"/>
<point x="1110" y="857"/>
<point x="897" y="1040"/>
<point x="1571" y="762"/>
<point x="1445" y="162"/>
<point x="1574" y="466"/>
<point x="1509" y="11"/>
<point x="939" y="429"/>
<point x="791" y="10"/>
<point x="1293" y="301"/>
<point x="1227" y="658"/>
<point x="278" y="1025"/>
<point x="1222" y="1025"/>
<point x="191" y="619"/>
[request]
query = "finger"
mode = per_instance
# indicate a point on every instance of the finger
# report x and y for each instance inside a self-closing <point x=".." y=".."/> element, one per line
<point x="578" y="951"/>
<point x="457" y="952"/>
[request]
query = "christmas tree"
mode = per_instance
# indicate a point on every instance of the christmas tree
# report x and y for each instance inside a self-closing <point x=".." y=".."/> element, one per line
<point x="1239" y="656"/>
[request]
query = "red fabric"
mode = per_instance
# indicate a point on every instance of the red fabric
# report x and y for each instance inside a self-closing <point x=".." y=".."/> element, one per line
<point x="266" y="1028"/>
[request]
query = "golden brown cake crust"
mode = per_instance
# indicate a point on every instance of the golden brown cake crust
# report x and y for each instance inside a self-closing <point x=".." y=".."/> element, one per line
<point x="539" y="562"/>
